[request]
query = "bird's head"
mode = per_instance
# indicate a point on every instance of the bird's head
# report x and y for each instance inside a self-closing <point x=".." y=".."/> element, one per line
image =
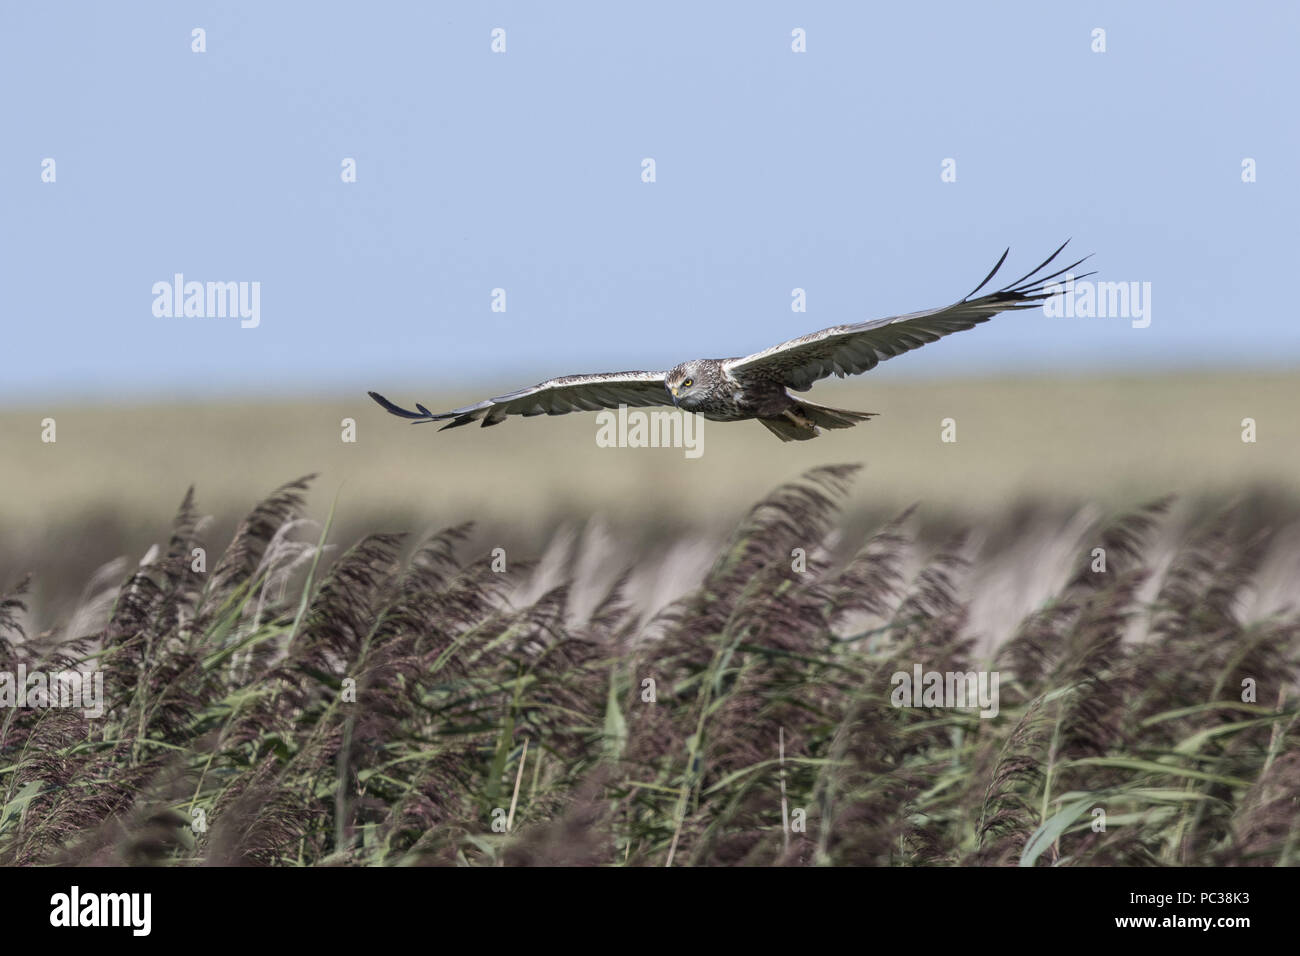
<point x="688" y="383"/>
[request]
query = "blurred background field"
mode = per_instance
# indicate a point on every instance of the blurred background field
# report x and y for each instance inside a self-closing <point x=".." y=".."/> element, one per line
<point x="1025" y="446"/>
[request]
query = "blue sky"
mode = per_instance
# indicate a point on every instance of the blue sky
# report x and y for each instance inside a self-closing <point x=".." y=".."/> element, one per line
<point x="774" y="170"/>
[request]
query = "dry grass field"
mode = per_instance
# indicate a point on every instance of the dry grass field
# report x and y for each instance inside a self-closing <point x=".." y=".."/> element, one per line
<point x="1068" y="438"/>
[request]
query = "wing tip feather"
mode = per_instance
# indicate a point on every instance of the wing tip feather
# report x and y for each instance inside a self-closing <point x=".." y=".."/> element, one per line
<point x="394" y="409"/>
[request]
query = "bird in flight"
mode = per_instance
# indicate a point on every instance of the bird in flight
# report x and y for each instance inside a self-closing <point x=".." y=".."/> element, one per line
<point x="758" y="386"/>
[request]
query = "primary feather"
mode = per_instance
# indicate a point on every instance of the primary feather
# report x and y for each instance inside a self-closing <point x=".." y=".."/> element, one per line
<point x="852" y="349"/>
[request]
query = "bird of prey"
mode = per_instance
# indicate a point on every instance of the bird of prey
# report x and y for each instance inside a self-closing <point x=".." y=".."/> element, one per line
<point x="758" y="386"/>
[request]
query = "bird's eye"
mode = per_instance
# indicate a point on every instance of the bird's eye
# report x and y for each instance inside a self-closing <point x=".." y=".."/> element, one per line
<point x="688" y="383"/>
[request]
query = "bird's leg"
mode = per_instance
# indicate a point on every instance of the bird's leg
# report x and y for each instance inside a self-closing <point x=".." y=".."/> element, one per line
<point x="798" y="419"/>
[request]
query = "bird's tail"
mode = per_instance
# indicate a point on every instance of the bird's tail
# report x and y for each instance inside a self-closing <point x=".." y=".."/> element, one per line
<point x="828" y="417"/>
<point x="816" y="416"/>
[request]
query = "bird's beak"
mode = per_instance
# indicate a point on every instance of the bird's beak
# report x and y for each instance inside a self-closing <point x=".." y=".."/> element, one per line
<point x="674" y="391"/>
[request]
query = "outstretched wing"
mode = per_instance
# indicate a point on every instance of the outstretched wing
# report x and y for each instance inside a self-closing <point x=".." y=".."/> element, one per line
<point x="851" y="349"/>
<point x="558" y="396"/>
